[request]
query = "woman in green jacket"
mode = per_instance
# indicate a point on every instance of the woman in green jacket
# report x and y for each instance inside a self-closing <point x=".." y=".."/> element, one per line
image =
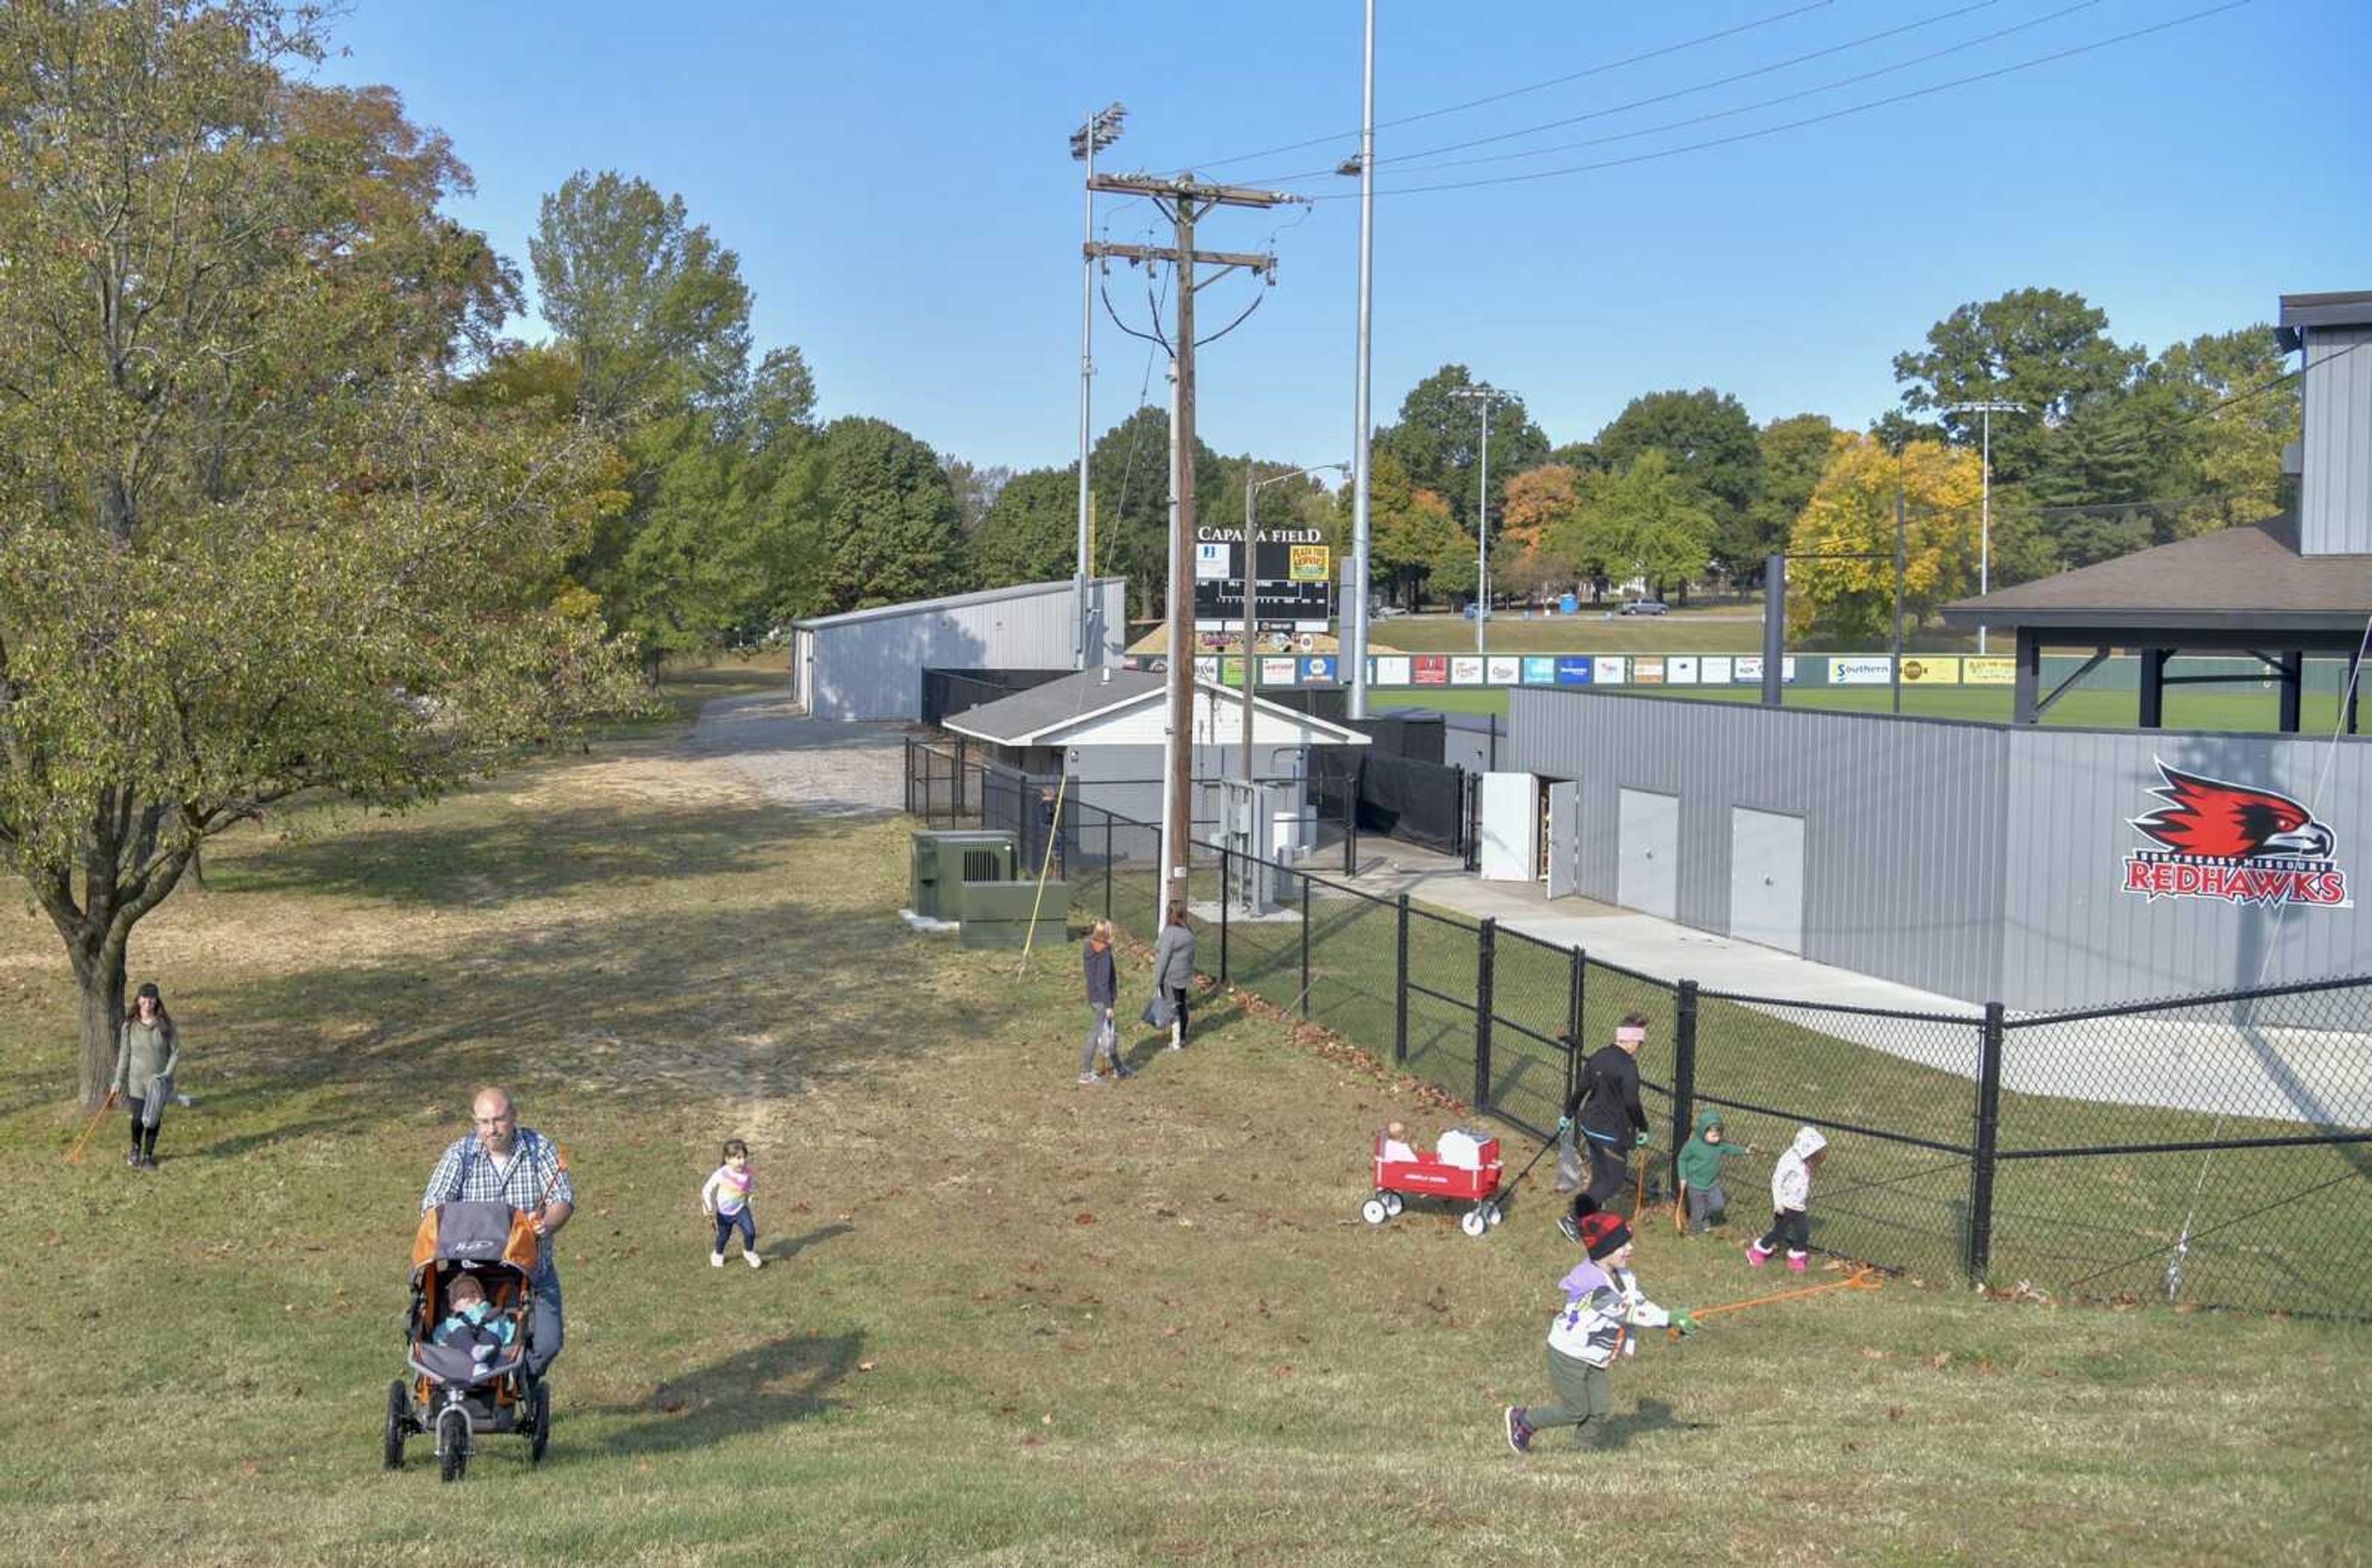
<point x="146" y="1052"/>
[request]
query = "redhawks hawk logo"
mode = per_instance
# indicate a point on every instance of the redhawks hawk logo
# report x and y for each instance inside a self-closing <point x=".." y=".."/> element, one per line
<point x="2227" y="840"/>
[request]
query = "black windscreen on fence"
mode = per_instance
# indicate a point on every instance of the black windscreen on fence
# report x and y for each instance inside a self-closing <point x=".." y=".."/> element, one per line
<point x="2209" y="1150"/>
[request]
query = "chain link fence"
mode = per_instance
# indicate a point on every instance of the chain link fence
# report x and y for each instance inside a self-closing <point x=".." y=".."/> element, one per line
<point x="2209" y="1150"/>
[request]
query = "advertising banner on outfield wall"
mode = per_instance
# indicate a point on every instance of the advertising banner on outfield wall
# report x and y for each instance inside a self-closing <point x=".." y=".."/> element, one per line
<point x="1391" y="669"/>
<point x="1648" y="670"/>
<point x="1276" y="671"/>
<point x="1206" y="667"/>
<point x="1608" y="669"/>
<point x="1713" y="669"/>
<point x="1747" y="670"/>
<point x="1539" y="670"/>
<point x="1501" y="670"/>
<point x="1988" y="672"/>
<point x="1318" y="668"/>
<point x="1465" y="669"/>
<point x="1861" y="671"/>
<point x="1430" y="669"/>
<point x="1680" y="670"/>
<point x="1926" y="669"/>
<point x="1573" y="669"/>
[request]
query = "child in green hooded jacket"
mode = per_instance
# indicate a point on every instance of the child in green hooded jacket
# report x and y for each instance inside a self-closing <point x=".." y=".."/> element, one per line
<point x="1700" y="1170"/>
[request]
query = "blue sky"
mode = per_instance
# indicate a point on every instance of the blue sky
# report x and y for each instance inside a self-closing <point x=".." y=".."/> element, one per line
<point x="905" y="209"/>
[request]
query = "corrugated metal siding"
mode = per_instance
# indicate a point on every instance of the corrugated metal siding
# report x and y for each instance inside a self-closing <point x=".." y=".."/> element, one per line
<point x="2073" y="935"/>
<point x="873" y="670"/>
<point x="1903" y="819"/>
<point x="2335" y="492"/>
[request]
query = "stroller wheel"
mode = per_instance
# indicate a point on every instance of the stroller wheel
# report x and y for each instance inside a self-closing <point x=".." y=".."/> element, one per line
<point x="399" y="1416"/>
<point x="453" y="1442"/>
<point x="1472" y="1223"/>
<point x="1374" y="1211"/>
<point x="540" y="1412"/>
<point x="1392" y="1205"/>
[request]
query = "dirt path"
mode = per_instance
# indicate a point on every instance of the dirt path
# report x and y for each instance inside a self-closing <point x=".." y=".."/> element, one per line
<point x="830" y="770"/>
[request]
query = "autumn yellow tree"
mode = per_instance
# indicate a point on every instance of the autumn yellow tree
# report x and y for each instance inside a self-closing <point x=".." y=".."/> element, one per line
<point x="1531" y="510"/>
<point x="1852" y="513"/>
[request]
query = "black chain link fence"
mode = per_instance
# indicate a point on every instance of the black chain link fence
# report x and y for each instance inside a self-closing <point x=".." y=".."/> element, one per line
<point x="2208" y="1150"/>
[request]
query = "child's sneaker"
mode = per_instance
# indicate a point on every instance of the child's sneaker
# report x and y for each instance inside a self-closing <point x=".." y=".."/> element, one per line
<point x="1088" y="1080"/>
<point x="1794" y="1263"/>
<point x="752" y="1259"/>
<point x="1756" y="1255"/>
<point x="716" y="1259"/>
<point x="1122" y="1069"/>
<point x="1519" y="1431"/>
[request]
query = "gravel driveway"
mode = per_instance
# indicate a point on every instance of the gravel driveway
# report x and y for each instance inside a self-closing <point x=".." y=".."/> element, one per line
<point x="832" y="769"/>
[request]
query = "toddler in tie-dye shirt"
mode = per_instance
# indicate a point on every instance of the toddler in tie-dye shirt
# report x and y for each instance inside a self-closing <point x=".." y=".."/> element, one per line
<point x="726" y="1200"/>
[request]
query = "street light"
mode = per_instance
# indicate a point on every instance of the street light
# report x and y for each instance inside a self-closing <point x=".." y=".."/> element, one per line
<point x="1485" y="394"/>
<point x="1252" y="487"/>
<point x="1986" y="523"/>
<point x="1100" y="131"/>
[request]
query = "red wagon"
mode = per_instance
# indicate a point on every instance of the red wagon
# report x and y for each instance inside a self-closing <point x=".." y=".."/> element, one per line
<point x="1428" y="1175"/>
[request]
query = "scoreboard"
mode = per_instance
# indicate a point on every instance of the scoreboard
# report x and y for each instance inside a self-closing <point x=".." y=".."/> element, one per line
<point x="1294" y="586"/>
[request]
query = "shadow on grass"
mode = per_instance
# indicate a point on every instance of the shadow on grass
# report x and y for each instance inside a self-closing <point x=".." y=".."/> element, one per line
<point x="781" y="1381"/>
<point x="1652" y="1416"/>
<point x="489" y="864"/>
<point x="784" y="1251"/>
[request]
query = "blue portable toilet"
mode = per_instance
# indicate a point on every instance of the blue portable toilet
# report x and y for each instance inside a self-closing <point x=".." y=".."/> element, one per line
<point x="1568" y="604"/>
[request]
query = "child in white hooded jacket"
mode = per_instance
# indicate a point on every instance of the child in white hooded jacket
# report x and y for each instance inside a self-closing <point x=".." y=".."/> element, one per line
<point x="1791" y="1195"/>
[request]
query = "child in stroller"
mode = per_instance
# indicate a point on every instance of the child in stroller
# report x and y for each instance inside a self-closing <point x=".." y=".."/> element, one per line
<point x="465" y="1333"/>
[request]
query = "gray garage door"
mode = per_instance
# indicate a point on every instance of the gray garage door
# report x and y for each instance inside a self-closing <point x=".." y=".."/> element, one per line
<point x="1647" y="876"/>
<point x="1766" y="879"/>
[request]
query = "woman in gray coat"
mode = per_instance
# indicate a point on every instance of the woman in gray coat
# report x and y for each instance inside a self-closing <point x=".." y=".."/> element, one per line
<point x="147" y="1050"/>
<point x="1173" y="971"/>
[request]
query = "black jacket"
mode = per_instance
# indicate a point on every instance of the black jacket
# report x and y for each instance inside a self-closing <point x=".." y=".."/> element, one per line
<point x="1607" y="1099"/>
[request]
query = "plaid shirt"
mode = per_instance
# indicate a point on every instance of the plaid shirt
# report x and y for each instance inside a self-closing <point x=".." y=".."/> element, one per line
<point x="465" y="1173"/>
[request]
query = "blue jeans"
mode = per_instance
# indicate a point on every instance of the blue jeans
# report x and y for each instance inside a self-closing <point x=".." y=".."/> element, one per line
<point x="728" y="1224"/>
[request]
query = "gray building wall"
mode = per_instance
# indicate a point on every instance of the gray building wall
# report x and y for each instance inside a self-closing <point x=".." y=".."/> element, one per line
<point x="1126" y="779"/>
<point x="2335" y="487"/>
<point x="871" y="667"/>
<point x="1983" y="862"/>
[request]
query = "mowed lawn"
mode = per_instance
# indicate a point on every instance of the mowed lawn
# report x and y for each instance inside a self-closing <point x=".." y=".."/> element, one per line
<point x="1006" y="1319"/>
<point x="2245" y="711"/>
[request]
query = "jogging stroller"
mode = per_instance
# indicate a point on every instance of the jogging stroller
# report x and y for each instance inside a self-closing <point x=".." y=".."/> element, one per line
<point x="456" y="1390"/>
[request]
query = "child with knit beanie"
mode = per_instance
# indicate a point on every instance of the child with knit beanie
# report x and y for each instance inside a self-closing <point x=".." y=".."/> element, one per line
<point x="1604" y="1304"/>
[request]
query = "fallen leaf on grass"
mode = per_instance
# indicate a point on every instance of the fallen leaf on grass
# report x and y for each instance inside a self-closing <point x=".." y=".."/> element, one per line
<point x="1894" y="1413"/>
<point x="1083" y="1217"/>
<point x="1871" y="1352"/>
<point x="865" y="1366"/>
<point x="1938" y="1361"/>
<point x="1171" y="1332"/>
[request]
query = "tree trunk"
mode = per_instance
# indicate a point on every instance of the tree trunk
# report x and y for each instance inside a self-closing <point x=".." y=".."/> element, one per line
<point x="99" y="977"/>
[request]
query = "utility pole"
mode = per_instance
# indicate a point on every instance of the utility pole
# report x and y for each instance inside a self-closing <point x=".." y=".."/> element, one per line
<point x="1484" y="393"/>
<point x="1183" y="200"/>
<point x="1361" y="550"/>
<point x="1100" y="130"/>
<point x="1985" y="515"/>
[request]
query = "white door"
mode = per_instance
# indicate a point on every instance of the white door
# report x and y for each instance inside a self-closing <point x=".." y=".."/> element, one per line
<point x="1766" y="879"/>
<point x="1647" y="872"/>
<point x="1564" y="840"/>
<point x="1511" y="825"/>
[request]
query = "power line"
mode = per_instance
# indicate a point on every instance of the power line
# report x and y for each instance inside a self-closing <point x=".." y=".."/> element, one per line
<point x="2038" y="60"/>
<point x="1528" y="88"/>
<point x="1735" y="77"/>
<point x="1707" y="118"/>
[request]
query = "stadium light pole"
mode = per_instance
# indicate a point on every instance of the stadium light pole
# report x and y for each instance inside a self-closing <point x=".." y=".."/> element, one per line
<point x="1361" y="549"/>
<point x="1250" y="685"/>
<point x="1100" y="131"/>
<point x="1985" y="503"/>
<point x="1484" y="393"/>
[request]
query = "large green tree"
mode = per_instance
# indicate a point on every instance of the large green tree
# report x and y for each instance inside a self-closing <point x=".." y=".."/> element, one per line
<point x="1438" y="440"/>
<point x="2047" y="349"/>
<point x="1031" y="532"/>
<point x="891" y="527"/>
<point x="1128" y="470"/>
<point x="1709" y="441"/>
<point x="1646" y="520"/>
<point x="1794" y="452"/>
<point x="1410" y="533"/>
<point x="247" y="546"/>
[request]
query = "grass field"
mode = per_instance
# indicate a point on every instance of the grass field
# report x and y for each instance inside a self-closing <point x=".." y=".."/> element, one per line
<point x="1006" y="1320"/>
<point x="2099" y="709"/>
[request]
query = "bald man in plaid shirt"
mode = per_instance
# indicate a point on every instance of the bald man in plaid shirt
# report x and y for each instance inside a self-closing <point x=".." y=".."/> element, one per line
<point x="502" y="1162"/>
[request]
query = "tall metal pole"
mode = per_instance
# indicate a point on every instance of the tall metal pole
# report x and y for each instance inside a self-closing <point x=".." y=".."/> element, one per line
<point x="1086" y="380"/>
<point x="1251" y="664"/>
<point x="1985" y="522"/>
<point x="1897" y="662"/>
<point x="1361" y="417"/>
<point x="1179" y="826"/>
<point x="1482" y="534"/>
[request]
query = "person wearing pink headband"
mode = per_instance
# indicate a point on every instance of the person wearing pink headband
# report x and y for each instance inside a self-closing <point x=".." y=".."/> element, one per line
<point x="1605" y="1100"/>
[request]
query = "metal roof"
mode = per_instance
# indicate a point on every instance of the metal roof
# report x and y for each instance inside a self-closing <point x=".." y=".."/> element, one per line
<point x="2350" y="309"/>
<point x="2247" y="579"/>
<point x="950" y="601"/>
<point x="1026" y="718"/>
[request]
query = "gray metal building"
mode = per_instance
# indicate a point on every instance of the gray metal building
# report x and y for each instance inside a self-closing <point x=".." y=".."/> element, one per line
<point x="1983" y="862"/>
<point x="867" y="664"/>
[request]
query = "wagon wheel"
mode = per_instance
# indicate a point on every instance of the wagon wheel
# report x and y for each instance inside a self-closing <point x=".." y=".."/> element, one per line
<point x="1374" y="1211"/>
<point x="453" y="1442"/>
<point x="1472" y="1223"/>
<point x="1491" y="1214"/>
<point x="1392" y="1204"/>
<point x="539" y="1407"/>
<point x="399" y="1416"/>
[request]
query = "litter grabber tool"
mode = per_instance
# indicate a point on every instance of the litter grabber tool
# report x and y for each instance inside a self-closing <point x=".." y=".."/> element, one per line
<point x="74" y="1155"/>
<point x="1860" y="1279"/>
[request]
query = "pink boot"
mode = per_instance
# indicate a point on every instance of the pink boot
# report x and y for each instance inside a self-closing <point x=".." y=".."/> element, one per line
<point x="1755" y="1254"/>
<point x="1794" y="1263"/>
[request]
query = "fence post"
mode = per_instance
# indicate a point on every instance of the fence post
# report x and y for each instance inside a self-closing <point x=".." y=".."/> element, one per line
<point x="909" y="775"/>
<point x="958" y="810"/>
<point x="1227" y="896"/>
<point x="1305" y="944"/>
<point x="1980" y="1174"/>
<point x="1486" y="944"/>
<point x="1108" y="821"/>
<point x="1400" y="990"/>
<point x="1576" y="985"/>
<point x="1684" y="1073"/>
<point x="1351" y="816"/>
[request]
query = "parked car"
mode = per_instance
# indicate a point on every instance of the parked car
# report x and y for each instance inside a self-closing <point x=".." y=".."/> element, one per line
<point x="1389" y="611"/>
<point x="1643" y="607"/>
<point x="1475" y="613"/>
